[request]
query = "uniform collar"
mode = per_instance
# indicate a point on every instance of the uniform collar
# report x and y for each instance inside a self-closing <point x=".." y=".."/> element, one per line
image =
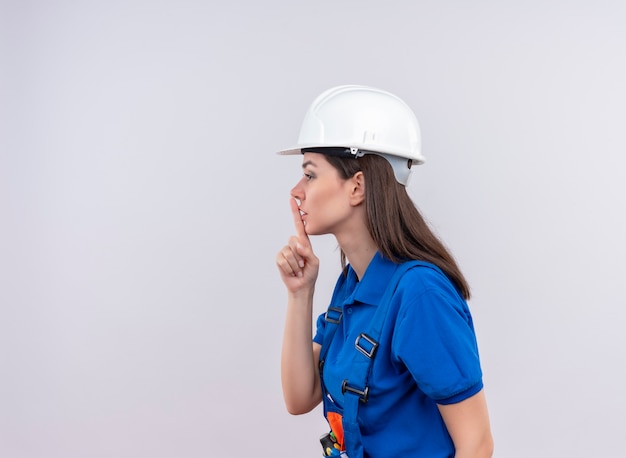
<point x="372" y="286"/>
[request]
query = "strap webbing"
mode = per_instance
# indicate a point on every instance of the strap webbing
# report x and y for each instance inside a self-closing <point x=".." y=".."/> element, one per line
<point x="333" y="318"/>
<point x="355" y="387"/>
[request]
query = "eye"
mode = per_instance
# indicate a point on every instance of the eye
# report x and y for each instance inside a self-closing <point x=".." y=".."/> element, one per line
<point x="308" y="176"/>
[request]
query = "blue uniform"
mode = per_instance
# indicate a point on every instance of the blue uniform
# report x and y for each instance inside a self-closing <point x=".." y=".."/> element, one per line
<point x="427" y="355"/>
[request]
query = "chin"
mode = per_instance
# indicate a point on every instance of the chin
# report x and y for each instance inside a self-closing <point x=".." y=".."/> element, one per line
<point x="310" y="230"/>
<point x="313" y="231"/>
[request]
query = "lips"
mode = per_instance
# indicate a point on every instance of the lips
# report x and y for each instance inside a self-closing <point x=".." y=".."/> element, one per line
<point x="303" y="216"/>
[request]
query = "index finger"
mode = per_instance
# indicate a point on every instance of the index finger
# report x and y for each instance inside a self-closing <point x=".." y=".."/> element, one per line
<point x="297" y="221"/>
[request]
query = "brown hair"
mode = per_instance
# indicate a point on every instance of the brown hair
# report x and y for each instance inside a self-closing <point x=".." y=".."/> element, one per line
<point x="394" y="222"/>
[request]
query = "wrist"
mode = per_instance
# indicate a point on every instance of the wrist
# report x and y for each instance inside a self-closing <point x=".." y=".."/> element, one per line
<point x="302" y="294"/>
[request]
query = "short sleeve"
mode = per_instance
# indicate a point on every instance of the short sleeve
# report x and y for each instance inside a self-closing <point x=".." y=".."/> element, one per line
<point x="320" y="330"/>
<point x="435" y="340"/>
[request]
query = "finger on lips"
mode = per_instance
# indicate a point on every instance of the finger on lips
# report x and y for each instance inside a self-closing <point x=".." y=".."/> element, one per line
<point x="297" y="219"/>
<point x="290" y="259"/>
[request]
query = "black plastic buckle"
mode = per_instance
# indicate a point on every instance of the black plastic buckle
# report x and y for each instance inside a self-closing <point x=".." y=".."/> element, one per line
<point x="362" y="394"/>
<point x="333" y="315"/>
<point x="370" y="347"/>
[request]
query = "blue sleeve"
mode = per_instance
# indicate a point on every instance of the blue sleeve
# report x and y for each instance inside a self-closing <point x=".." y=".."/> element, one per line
<point x="321" y="329"/>
<point x="435" y="340"/>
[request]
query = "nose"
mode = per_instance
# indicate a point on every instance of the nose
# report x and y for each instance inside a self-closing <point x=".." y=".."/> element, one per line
<point x="297" y="192"/>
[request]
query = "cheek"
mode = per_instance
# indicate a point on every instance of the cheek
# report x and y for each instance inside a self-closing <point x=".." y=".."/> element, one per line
<point x="328" y="194"/>
<point x="327" y="198"/>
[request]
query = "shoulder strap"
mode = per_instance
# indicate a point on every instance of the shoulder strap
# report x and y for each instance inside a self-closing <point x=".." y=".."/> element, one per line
<point x="332" y="317"/>
<point x="355" y="388"/>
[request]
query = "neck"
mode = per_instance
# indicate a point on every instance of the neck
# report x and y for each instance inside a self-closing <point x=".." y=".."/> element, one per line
<point x="359" y="250"/>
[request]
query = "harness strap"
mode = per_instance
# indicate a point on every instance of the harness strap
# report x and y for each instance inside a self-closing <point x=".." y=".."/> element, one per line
<point x="332" y="317"/>
<point x="362" y="367"/>
<point x="355" y="388"/>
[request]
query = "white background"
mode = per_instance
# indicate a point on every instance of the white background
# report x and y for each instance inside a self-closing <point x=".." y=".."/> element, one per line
<point x="142" y="205"/>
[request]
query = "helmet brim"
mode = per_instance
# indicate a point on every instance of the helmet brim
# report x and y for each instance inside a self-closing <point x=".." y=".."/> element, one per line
<point x="417" y="159"/>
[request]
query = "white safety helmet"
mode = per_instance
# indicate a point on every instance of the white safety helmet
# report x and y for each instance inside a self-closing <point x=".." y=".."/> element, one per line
<point x="352" y="121"/>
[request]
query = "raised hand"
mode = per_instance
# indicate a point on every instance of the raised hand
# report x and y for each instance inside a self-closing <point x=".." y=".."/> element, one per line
<point x="297" y="264"/>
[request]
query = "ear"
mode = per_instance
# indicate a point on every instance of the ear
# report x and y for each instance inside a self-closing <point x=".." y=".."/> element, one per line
<point x="357" y="189"/>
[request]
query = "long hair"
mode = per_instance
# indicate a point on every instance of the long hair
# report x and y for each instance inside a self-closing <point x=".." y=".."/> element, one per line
<point x="394" y="222"/>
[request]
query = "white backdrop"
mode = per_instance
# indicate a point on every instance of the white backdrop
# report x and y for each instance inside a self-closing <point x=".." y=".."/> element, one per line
<point x="142" y="205"/>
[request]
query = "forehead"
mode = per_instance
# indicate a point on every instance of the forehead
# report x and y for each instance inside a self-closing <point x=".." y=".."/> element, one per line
<point x="314" y="160"/>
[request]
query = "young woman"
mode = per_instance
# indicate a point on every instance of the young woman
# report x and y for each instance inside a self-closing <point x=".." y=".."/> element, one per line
<point x="394" y="359"/>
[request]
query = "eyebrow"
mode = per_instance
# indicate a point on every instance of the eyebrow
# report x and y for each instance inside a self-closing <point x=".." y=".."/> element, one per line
<point x="311" y="163"/>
